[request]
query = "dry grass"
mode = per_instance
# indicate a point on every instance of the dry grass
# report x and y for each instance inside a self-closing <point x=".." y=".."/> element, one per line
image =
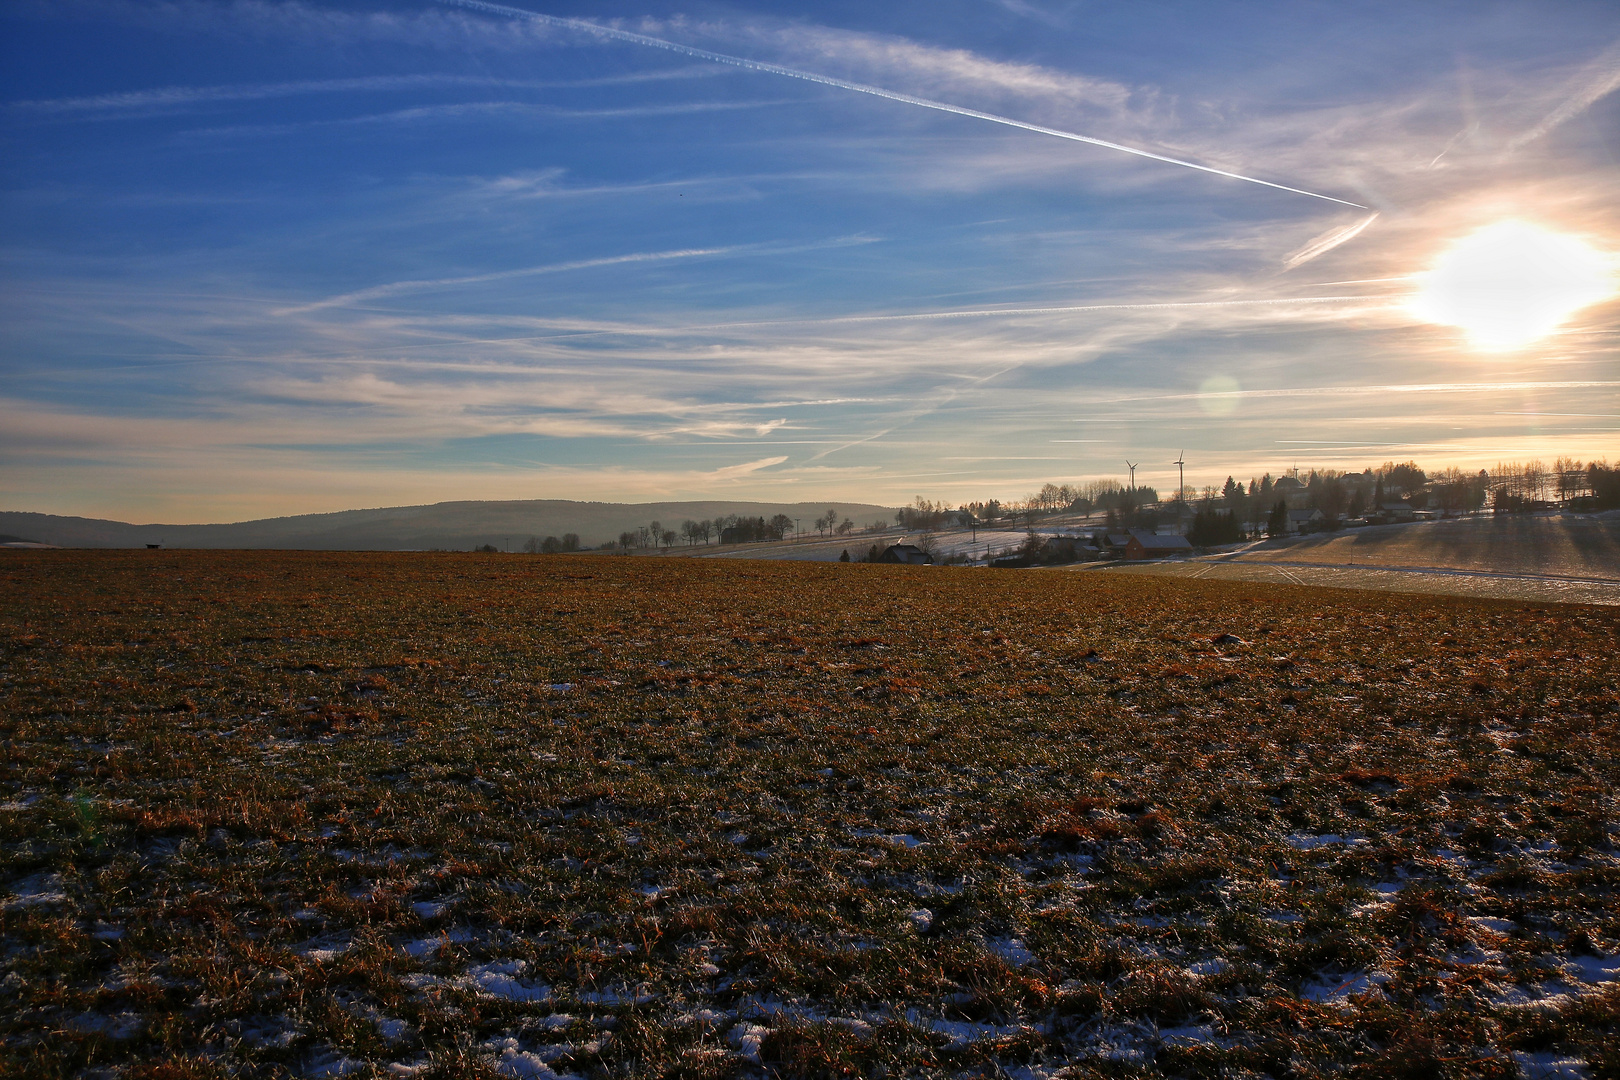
<point x="269" y="814"/>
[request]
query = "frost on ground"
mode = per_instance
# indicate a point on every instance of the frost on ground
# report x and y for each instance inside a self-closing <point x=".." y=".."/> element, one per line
<point x="499" y="979"/>
<point x="427" y="815"/>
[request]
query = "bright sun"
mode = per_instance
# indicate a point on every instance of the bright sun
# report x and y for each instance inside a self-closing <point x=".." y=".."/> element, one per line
<point x="1511" y="283"/>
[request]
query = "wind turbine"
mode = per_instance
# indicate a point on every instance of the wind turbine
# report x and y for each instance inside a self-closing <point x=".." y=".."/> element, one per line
<point x="1131" y="466"/>
<point x="1181" y="471"/>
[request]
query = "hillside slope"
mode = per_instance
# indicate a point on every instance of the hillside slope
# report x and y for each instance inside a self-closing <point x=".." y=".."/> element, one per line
<point x="457" y="525"/>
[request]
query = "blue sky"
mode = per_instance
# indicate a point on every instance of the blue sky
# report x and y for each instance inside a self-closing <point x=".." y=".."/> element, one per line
<point x="267" y="257"/>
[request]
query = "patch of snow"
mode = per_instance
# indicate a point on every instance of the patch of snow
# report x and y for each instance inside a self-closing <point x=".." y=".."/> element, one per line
<point x="327" y="1062"/>
<point x="325" y="948"/>
<point x="1011" y="950"/>
<point x="1031" y="1072"/>
<point x="393" y="1029"/>
<point x="1495" y="926"/>
<point x="510" y="1059"/>
<point x="1205" y="968"/>
<point x="745" y="1037"/>
<point x="1547" y="999"/>
<point x="851" y="1023"/>
<point x="1548" y="1065"/>
<point x="428" y="946"/>
<point x="905" y="840"/>
<point x="706" y="1016"/>
<point x="1335" y="989"/>
<point x="1288" y="917"/>
<point x="921" y="919"/>
<point x="960" y="1032"/>
<point x="621" y="996"/>
<point x="1593" y="969"/>
<point x="499" y="979"/>
<point x="407" y="1069"/>
<point x="431" y="909"/>
<point x="560" y="687"/>
<point x="37" y="891"/>
<point x="1188" y="1034"/>
<point x="266" y="1031"/>
<point x="1305" y="842"/>
<point x="120" y="1026"/>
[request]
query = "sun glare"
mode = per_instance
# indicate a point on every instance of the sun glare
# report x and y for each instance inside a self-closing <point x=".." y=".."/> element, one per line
<point x="1512" y="283"/>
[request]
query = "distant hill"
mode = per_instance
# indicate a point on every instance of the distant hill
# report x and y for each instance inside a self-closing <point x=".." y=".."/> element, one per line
<point x="455" y="525"/>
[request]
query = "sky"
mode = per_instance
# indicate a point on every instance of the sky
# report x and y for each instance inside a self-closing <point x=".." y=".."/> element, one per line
<point x="266" y="257"/>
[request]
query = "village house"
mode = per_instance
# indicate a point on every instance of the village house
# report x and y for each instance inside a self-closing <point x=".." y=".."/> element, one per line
<point x="1150" y="545"/>
<point x="908" y="554"/>
<point x="1396" y="511"/>
<point x="1304" y="521"/>
<point x="1290" y="491"/>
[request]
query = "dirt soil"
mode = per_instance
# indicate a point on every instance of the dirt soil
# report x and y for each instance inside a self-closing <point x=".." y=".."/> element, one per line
<point x="276" y="814"/>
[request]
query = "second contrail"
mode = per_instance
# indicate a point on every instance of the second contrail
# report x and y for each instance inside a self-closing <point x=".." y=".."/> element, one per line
<point x="861" y="88"/>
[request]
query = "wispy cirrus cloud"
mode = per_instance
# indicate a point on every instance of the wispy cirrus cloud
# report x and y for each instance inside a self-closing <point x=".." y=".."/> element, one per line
<point x="395" y="288"/>
<point x="166" y="99"/>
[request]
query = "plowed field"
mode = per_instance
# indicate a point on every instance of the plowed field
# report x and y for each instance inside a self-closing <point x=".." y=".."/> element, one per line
<point x="461" y="815"/>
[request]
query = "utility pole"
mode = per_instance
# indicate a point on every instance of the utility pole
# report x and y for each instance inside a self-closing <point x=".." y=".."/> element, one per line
<point x="1131" y="466"/>
<point x="1181" y="472"/>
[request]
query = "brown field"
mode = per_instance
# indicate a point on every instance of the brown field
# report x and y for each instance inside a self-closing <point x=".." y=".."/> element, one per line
<point x="1541" y="558"/>
<point x="1575" y="546"/>
<point x="273" y="814"/>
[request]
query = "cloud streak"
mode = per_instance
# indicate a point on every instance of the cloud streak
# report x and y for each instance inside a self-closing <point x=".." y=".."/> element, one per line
<point x="177" y="97"/>
<point x="1326" y="242"/>
<point x="1601" y="78"/>
<point x="394" y="288"/>
<point x="861" y="88"/>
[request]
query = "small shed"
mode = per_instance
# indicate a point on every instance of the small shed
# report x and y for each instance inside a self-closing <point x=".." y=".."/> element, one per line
<point x="1149" y="545"/>
<point x="909" y="554"/>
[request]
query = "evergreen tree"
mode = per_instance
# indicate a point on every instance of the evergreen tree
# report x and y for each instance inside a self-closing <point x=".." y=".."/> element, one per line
<point x="1277" y="523"/>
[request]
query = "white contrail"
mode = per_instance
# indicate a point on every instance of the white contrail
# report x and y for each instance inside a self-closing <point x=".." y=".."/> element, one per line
<point x="394" y="287"/>
<point x="861" y="88"/>
<point x="980" y="313"/>
<point x="1325" y="243"/>
<point x="1601" y="80"/>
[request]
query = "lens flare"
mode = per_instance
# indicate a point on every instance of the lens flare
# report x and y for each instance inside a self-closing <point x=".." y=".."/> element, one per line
<point x="1512" y="283"/>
